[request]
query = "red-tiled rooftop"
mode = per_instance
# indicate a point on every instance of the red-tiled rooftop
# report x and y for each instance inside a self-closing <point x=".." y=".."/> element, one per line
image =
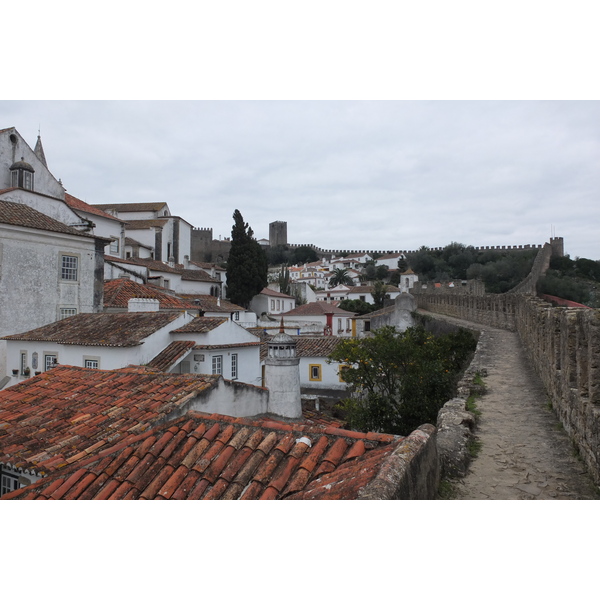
<point x="307" y="346"/>
<point x="77" y="204"/>
<point x="133" y="206"/>
<point x="201" y="456"/>
<point x="68" y="413"/>
<point x="21" y="215"/>
<point x="317" y="309"/>
<point x="100" y="329"/>
<point x="208" y="303"/>
<point x="275" y="294"/>
<point x="170" y="355"/>
<point x="201" y="325"/>
<point x="118" y="292"/>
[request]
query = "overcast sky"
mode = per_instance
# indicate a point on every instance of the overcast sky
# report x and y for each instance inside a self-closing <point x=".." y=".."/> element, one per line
<point x="372" y="175"/>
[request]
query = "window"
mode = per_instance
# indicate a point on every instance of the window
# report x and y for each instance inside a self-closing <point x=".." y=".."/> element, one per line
<point x="14" y="182"/>
<point x="67" y="312"/>
<point x="236" y="315"/>
<point x="9" y="483"/>
<point x="367" y="325"/>
<point x="23" y="362"/>
<point x="49" y="361"/>
<point x="114" y="245"/>
<point x="166" y="283"/>
<point x="217" y="365"/>
<point x="314" y="373"/>
<point x="69" y="268"/>
<point x="340" y="325"/>
<point x="362" y="298"/>
<point x="234" y="366"/>
<point x="91" y="363"/>
<point x="277" y="304"/>
<point x="272" y="304"/>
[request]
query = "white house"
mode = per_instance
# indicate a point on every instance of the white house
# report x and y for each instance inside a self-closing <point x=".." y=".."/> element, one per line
<point x="359" y="292"/>
<point x="151" y="224"/>
<point x="320" y="318"/>
<point x="105" y="225"/>
<point x="390" y="260"/>
<point x="48" y="271"/>
<point x="221" y="347"/>
<point x="272" y="302"/>
<point x="96" y="341"/>
<point x="210" y="306"/>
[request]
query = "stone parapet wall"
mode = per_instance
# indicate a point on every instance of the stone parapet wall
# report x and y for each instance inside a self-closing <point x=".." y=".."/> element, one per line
<point x="563" y="345"/>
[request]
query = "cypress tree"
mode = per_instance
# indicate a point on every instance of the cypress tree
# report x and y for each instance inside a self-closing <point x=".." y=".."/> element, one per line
<point x="246" y="265"/>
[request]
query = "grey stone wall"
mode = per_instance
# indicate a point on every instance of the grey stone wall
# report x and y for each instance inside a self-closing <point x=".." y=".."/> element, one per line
<point x="563" y="345"/>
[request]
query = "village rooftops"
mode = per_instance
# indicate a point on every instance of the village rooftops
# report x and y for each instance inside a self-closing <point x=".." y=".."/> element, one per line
<point x="118" y="292"/>
<point x="307" y="346"/>
<point x="77" y="204"/>
<point x="208" y="303"/>
<point x="201" y="325"/>
<point x="68" y="413"/>
<point x="133" y="206"/>
<point x="201" y="456"/>
<point x="100" y="329"/>
<point x="275" y="294"/>
<point x="22" y="215"/>
<point x="317" y="309"/>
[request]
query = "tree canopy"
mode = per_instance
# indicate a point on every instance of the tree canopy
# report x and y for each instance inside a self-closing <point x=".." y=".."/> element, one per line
<point x="399" y="381"/>
<point x="340" y="277"/>
<point x="246" y="265"/>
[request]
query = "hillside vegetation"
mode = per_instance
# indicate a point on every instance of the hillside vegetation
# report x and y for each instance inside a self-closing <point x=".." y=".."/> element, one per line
<point x="500" y="270"/>
<point x="577" y="280"/>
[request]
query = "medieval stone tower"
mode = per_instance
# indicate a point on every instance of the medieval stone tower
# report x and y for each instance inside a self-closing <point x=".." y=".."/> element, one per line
<point x="282" y="376"/>
<point x="278" y="233"/>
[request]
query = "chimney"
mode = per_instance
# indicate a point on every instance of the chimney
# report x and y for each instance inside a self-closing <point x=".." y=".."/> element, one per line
<point x="143" y="305"/>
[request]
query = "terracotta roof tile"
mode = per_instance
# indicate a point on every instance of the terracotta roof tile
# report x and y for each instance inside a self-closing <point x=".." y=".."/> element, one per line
<point x="234" y="458"/>
<point x="315" y="309"/>
<point x="118" y="292"/>
<point x="100" y="329"/>
<point x="22" y="215"/>
<point x="201" y="325"/>
<point x="77" y="204"/>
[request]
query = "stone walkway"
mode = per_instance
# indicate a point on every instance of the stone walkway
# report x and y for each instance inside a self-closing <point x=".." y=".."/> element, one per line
<point x="525" y="453"/>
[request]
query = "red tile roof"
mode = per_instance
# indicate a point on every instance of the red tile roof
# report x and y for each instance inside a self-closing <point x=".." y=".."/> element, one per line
<point x="201" y="456"/>
<point x="270" y="292"/>
<point x="117" y="293"/>
<point x="317" y="309"/>
<point x="68" y="413"/>
<point x="77" y="204"/>
<point x="170" y="355"/>
<point x="307" y="346"/>
<point x="22" y="215"/>
<point x="100" y="329"/>
<point x="201" y="325"/>
<point x="133" y="206"/>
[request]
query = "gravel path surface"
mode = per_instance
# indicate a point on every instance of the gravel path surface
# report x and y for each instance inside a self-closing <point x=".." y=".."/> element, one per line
<point x="525" y="453"/>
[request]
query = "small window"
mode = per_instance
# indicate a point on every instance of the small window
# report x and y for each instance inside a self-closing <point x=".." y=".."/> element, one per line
<point x="367" y="325"/>
<point x="14" y="181"/>
<point x="166" y="283"/>
<point x="9" y="483"/>
<point x="114" y="245"/>
<point x="67" y="312"/>
<point x="217" y="365"/>
<point x="236" y="315"/>
<point x="23" y="362"/>
<point x="272" y="304"/>
<point x="50" y="361"/>
<point x="27" y="180"/>
<point x="69" y="268"/>
<point x="234" y="366"/>
<point x="91" y="363"/>
<point x="314" y="372"/>
<point x="362" y="298"/>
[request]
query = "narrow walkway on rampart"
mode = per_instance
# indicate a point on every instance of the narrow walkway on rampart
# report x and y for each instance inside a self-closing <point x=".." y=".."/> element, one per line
<point x="525" y="453"/>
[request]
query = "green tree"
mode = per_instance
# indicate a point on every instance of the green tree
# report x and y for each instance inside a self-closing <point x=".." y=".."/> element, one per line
<point x="284" y="280"/>
<point x="340" y="277"/>
<point x="247" y="264"/>
<point x="399" y="381"/>
<point x="357" y="306"/>
<point x="303" y="254"/>
<point x="379" y="294"/>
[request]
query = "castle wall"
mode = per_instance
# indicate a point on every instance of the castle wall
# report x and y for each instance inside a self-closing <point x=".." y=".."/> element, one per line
<point x="563" y="345"/>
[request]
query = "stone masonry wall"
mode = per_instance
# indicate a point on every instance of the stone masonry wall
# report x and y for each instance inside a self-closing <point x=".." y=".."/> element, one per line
<point x="563" y="345"/>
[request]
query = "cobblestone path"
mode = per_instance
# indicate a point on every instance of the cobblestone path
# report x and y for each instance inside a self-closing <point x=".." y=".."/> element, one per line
<point x="525" y="453"/>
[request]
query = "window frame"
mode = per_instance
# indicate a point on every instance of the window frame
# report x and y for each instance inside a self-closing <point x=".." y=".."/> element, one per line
<point x="48" y="355"/>
<point x="217" y="364"/>
<point x="234" y="366"/>
<point x="71" y="271"/>
<point x="114" y="245"/>
<point x="63" y="310"/>
<point x="319" y="372"/>
<point x="91" y="359"/>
